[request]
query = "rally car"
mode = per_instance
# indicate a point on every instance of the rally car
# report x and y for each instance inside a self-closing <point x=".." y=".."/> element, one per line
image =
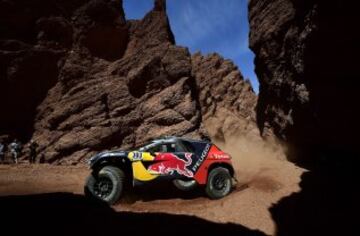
<point x="187" y="163"/>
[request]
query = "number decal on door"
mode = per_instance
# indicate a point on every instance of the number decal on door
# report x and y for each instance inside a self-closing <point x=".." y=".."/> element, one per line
<point x="135" y="156"/>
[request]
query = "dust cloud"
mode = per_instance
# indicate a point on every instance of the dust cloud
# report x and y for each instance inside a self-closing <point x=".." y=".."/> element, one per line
<point x="256" y="161"/>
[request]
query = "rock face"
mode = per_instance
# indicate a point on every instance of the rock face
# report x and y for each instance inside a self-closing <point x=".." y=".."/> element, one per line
<point x="78" y="78"/>
<point x="83" y="79"/>
<point x="306" y="62"/>
<point x="36" y="37"/>
<point x="227" y="100"/>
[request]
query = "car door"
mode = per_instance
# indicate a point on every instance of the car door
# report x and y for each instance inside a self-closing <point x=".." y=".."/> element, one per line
<point x="141" y="160"/>
<point x="173" y="161"/>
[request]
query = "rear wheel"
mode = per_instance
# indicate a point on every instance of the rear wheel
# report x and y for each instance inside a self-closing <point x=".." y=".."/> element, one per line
<point x="219" y="183"/>
<point x="107" y="185"/>
<point x="185" y="185"/>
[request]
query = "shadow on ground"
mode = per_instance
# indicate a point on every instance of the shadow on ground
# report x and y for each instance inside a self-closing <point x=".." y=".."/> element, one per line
<point x="160" y="191"/>
<point x="69" y="214"/>
<point x="167" y="191"/>
<point x="328" y="203"/>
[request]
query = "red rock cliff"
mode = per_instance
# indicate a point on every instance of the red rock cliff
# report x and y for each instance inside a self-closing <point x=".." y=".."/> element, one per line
<point x="78" y="78"/>
<point x="306" y="62"/>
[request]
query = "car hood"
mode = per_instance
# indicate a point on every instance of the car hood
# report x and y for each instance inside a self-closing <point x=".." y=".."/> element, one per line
<point x="105" y="154"/>
<point x="113" y="153"/>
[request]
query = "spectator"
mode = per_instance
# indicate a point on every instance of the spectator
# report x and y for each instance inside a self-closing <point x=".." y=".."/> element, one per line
<point x="2" y="152"/>
<point x="15" y="149"/>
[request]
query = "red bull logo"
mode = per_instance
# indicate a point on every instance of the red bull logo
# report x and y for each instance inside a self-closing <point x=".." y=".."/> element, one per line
<point x="171" y="163"/>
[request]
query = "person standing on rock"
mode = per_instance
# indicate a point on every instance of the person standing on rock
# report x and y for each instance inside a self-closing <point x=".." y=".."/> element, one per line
<point x="33" y="151"/>
<point x="2" y="152"/>
<point x="15" y="148"/>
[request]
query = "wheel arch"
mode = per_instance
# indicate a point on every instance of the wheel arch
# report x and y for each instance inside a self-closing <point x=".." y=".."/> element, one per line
<point x="224" y="165"/>
<point x="122" y="163"/>
<point x="201" y="176"/>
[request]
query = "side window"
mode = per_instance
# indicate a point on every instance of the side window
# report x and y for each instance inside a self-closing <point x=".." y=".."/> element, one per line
<point x="180" y="148"/>
<point x="171" y="147"/>
<point x="167" y="147"/>
<point x="156" y="148"/>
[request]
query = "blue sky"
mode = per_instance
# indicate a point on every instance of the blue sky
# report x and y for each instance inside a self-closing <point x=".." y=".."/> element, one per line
<point x="208" y="26"/>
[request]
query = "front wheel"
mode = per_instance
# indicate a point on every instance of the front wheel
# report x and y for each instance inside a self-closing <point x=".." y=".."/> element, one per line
<point x="219" y="183"/>
<point x="107" y="185"/>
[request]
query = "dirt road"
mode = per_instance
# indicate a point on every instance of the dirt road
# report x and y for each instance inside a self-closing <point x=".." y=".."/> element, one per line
<point x="247" y="205"/>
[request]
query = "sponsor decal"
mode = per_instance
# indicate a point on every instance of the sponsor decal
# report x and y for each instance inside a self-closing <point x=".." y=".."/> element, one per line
<point x="173" y="164"/>
<point x="136" y="156"/>
<point x="202" y="158"/>
<point x="188" y="156"/>
<point x="221" y="156"/>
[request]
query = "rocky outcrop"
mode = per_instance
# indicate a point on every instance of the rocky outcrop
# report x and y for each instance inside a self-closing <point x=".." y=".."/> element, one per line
<point x="85" y="80"/>
<point x="306" y="62"/>
<point x="36" y="37"/>
<point x="78" y="78"/>
<point x="227" y="100"/>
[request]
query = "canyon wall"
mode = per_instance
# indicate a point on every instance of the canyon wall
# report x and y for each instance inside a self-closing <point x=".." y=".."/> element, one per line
<point x="78" y="78"/>
<point x="306" y="62"/>
<point x="226" y="99"/>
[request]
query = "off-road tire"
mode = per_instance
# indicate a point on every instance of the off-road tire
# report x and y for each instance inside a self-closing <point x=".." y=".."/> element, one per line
<point x="185" y="185"/>
<point x="219" y="183"/>
<point x="110" y="176"/>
